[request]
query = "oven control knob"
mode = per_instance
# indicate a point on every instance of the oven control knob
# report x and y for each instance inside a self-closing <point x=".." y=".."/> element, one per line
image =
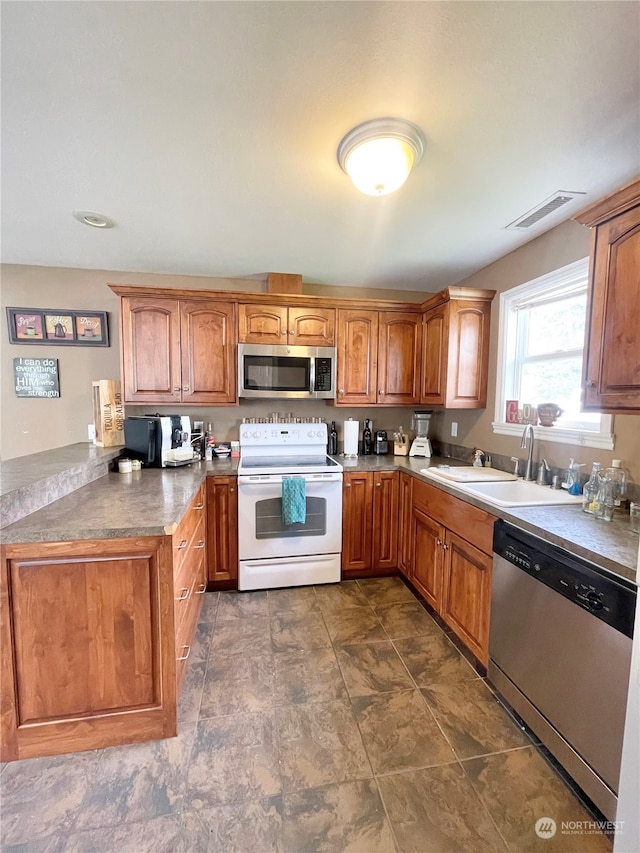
<point x="311" y="434"/>
<point x="256" y="434"/>
<point x="595" y="600"/>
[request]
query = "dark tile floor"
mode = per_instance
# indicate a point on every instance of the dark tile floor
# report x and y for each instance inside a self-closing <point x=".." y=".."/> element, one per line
<point x="334" y="718"/>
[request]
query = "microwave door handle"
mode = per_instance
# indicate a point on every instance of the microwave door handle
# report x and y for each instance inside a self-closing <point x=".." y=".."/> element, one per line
<point x="151" y="442"/>
<point x="312" y="375"/>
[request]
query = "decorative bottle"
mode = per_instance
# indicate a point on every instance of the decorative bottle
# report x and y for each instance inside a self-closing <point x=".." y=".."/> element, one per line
<point x="603" y="507"/>
<point x="367" y="439"/>
<point x="590" y="491"/>
<point x="332" y="446"/>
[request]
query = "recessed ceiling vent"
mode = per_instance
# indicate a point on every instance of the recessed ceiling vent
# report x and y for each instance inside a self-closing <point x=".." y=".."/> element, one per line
<point x="545" y="208"/>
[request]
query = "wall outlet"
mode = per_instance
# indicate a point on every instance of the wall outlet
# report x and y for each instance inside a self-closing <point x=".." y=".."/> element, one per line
<point x="91" y="432"/>
<point x="454" y="428"/>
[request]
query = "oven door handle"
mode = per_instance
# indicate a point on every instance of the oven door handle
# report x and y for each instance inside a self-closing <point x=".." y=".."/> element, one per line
<point x="271" y="479"/>
<point x="314" y="558"/>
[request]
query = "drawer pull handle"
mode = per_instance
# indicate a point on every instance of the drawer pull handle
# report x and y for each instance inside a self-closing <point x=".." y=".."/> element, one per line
<point x="183" y="545"/>
<point x="184" y="593"/>
<point x="199" y="546"/>
<point x="202" y="590"/>
<point x="184" y="657"/>
<point x="199" y="506"/>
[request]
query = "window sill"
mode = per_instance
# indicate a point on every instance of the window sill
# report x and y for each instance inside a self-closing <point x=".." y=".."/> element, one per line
<point x="560" y="436"/>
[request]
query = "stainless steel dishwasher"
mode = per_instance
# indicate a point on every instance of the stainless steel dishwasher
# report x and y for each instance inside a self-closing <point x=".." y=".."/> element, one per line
<point x="560" y="652"/>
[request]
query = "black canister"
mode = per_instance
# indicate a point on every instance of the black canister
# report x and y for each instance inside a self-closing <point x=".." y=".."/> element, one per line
<point x="380" y="443"/>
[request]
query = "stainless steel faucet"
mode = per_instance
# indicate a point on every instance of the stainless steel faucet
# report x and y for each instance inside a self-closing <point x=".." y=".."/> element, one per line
<point x="528" y="434"/>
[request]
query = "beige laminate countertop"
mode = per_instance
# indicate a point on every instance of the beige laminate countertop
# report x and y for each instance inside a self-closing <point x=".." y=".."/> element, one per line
<point x="152" y="502"/>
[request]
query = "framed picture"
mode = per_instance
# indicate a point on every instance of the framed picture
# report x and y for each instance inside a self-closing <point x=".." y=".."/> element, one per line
<point x="58" y="326"/>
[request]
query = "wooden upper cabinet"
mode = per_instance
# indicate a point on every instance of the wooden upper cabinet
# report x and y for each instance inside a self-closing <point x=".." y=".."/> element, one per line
<point x="178" y="351"/>
<point x="612" y="351"/>
<point x="208" y="346"/>
<point x="399" y="337"/>
<point x="455" y="353"/>
<point x="279" y="324"/>
<point x="151" y="360"/>
<point x="357" y="357"/>
<point x="262" y="324"/>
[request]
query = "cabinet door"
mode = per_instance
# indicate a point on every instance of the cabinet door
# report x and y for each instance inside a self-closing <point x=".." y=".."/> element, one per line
<point x="357" y="520"/>
<point x="208" y="341"/>
<point x="262" y="324"/>
<point x="612" y="362"/>
<point x="151" y="368"/>
<point x="399" y="336"/>
<point x="385" y="520"/>
<point x="222" y="531"/>
<point x="357" y="357"/>
<point x="404" y="526"/>
<point x="466" y="598"/>
<point x="467" y="354"/>
<point x="435" y="340"/>
<point x="427" y="536"/>
<point x="312" y="327"/>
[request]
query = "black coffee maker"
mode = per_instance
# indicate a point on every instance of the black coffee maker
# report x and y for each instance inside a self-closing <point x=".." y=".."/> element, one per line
<point x="380" y="443"/>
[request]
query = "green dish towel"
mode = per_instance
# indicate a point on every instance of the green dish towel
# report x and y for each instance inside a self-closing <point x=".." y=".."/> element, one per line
<point x="294" y="500"/>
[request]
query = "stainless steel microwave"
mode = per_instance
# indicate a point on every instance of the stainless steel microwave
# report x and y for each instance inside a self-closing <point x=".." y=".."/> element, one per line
<point x="305" y="373"/>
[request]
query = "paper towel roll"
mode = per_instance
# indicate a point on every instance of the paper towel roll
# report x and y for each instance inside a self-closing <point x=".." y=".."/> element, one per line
<point x="350" y="430"/>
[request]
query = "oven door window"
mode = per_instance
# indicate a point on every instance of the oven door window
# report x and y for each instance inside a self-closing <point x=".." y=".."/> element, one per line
<point x="269" y="523"/>
<point x="276" y="373"/>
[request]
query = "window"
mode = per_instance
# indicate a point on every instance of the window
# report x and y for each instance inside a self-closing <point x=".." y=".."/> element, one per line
<point x="541" y="344"/>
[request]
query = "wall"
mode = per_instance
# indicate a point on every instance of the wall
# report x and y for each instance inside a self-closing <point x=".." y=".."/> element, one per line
<point x="30" y="425"/>
<point x="564" y="244"/>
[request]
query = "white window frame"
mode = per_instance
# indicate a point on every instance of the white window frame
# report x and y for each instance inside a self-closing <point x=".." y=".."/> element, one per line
<point x="562" y="280"/>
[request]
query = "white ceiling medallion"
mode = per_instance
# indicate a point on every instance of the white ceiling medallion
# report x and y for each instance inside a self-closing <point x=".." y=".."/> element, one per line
<point x="95" y="220"/>
<point x="378" y="155"/>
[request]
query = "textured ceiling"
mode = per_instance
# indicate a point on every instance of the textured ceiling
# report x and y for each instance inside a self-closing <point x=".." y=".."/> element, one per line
<point x="208" y="131"/>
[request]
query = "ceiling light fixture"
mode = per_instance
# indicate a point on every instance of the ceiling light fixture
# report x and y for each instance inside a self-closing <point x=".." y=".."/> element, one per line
<point x="95" y="220"/>
<point x="378" y="155"/>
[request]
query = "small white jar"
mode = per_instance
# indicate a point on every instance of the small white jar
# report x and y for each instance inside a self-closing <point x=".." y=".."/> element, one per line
<point x="125" y="466"/>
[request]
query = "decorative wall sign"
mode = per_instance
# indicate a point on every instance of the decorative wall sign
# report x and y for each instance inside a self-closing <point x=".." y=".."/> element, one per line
<point x="58" y="326"/>
<point x="36" y="377"/>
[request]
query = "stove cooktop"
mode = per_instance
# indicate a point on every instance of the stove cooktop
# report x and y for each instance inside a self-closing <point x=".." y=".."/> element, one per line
<point x="288" y="464"/>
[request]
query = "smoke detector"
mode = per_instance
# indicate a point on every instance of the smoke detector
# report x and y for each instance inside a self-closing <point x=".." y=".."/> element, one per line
<point x="545" y="208"/>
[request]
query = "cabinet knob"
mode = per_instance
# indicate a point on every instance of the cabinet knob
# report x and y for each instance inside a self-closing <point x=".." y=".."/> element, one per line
<point x="199" y="546"/>
<point x="182" y="545"/>
<point x="438" y="541"/>
<point x="341" y="390"/>
<point x="591" y="383"/>
<point x="292" y="331"/>
<point x="381" y="391"/>
<point x="232" y="490"/>
<point x="445" y="547"/>
<point x="378" y="485"/>
<point x="347" y="485"/>
<point x="176" y="390"/>
<point x="185" y="388"/>
<point x="184" y="594"/>
<point x="186" y="655"/>
<point x="202" y="590"/>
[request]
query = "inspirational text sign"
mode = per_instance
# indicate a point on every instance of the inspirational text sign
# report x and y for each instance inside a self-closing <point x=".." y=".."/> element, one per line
<point x="36" y="377"/>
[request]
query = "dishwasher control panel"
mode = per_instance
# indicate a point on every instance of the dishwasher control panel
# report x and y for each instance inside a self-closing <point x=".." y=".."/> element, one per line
<point x="607" y="598"/>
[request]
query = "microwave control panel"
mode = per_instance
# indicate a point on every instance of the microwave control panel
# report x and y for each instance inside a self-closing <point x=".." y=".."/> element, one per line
<point x="323" y="374"/>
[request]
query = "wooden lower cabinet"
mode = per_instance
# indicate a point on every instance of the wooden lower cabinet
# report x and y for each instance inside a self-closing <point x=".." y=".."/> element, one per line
<point x="222" y="532"/>
<point x="369" y="528"/>
<point x="404" y="522"/>
<point x="92" y="633"/>
<point x="451" y="562"/>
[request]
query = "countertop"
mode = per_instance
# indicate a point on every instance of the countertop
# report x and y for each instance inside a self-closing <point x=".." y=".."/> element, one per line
<point x="152" y="502"/>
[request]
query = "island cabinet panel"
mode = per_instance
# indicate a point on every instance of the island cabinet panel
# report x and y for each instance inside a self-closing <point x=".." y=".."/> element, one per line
<point x="222" y="532"/>
<point x="88" y="645"/>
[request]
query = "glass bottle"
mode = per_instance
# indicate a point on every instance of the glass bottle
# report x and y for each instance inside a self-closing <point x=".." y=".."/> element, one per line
<point x="590" y="491"/>
<point x="619" y="477"/>
<point x="603" y="506"/>
<point x="332" y="446"/>
<point x="367" y="438"/>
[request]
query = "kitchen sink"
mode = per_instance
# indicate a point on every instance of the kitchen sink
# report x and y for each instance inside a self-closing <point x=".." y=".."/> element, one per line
<point x="518" y="493"/>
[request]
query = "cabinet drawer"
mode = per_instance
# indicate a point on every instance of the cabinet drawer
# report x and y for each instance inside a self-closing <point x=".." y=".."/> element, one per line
<point x="186" y="627"/>
<point x="473" y="524"/>
<point x="184" y="534"/>
<point x="190" y="559"/>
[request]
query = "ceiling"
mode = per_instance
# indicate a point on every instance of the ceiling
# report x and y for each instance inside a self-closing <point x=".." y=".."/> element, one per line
<point x="208" y="131"/>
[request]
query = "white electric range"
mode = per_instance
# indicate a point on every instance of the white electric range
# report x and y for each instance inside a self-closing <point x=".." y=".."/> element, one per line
<point x="272" y="553"/>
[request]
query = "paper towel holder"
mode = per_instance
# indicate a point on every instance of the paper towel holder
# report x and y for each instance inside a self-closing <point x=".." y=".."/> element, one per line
<point x="350" y="431"/>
